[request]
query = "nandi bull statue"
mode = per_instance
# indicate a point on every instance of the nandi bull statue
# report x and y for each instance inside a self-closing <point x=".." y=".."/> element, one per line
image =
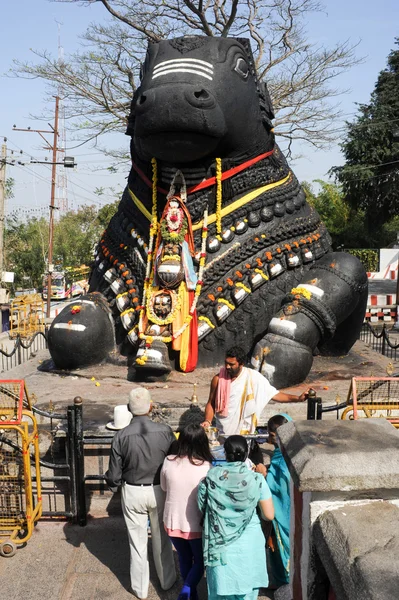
<point x="213" y="243"/>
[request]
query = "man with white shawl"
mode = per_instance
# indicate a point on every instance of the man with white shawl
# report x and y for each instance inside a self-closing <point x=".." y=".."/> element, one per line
<point x="238" y="396"/>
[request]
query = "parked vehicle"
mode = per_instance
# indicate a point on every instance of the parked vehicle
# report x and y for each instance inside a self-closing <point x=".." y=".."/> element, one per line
<point x="67" y="283"/>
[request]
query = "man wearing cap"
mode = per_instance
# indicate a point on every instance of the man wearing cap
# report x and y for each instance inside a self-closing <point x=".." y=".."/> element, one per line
<point x="137" y="455"/>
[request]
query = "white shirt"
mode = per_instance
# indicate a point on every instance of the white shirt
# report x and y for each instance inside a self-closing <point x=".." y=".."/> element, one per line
<point x="239" y="411"/>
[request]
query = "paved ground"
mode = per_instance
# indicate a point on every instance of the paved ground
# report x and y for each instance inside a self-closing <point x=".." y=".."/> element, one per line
<point x="102" y="387"/>
<point x="63" y="561"/>
<point x="382" y="286"/>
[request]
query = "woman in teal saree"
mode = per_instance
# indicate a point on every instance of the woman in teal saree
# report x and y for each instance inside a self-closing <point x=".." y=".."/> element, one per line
<point x="234" y="545"/>
<point x="278" y="479"/>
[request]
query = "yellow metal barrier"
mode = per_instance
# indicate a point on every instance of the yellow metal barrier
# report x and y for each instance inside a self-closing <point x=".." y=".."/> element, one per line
<point x="20" y="508"/>
<point x="373" y="397"/>
<point x="26" y="316"/>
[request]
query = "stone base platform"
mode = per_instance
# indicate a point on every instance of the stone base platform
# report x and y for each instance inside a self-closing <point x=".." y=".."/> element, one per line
<point x="104" y="386"/>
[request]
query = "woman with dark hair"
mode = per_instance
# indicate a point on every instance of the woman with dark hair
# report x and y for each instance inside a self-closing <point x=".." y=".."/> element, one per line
<point x="234" y="545"/>
<point x="181" y="473"/>
<point x="278" y="479"/>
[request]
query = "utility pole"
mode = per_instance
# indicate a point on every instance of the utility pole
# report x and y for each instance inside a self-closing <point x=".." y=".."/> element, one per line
<point x="52" y="207"/>
<point x="54" y="148"/>
<point x="3" y="163"/>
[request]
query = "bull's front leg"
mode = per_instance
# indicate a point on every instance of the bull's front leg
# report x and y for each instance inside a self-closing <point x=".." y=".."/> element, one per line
<point x="324" y="311"/>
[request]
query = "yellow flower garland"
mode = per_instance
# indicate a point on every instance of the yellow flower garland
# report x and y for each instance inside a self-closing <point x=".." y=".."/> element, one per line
<point x="244" y="287"/>
<point x="208" y="321"/>
<point x="219" y="198"/>
<point x="301" y="291"/>
<point x="227" y="303"/>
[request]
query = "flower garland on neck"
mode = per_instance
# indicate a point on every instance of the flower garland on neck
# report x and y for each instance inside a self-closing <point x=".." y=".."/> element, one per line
<point x="149" y="275"/>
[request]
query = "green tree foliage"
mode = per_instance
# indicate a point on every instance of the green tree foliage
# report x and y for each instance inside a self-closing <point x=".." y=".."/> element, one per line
<point x="345" y="225"/>
<point x="370" y="176"/>
<point x="25" y="250"/>
<point x="106" y="212"/>
<point x="75" y="236"/>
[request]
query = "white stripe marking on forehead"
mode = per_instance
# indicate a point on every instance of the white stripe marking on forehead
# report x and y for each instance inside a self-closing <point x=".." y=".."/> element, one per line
<point x="182" y="63"/>
<point x="182" y="71"/>
<point x="186" y="60"/>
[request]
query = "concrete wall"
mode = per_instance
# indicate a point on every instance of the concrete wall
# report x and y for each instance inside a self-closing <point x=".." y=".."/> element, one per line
<point x="342" y="471"/>
<point x="388" y="264"/>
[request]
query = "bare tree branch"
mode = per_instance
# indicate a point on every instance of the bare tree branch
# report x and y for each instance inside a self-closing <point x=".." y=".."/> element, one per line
<point x="99" y="81"/>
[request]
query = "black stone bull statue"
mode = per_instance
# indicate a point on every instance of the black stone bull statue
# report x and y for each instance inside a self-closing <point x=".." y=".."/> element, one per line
<point x="213" y="243"/>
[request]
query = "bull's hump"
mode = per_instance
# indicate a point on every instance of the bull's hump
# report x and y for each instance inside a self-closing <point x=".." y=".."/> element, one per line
<point x="188" y="43"/>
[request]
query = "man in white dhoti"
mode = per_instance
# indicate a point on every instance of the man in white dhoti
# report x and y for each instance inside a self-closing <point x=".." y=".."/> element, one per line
<point x="238" y="396"/>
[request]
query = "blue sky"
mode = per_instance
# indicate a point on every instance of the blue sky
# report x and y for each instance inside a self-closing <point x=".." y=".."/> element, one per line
<point x="32" y="24"/>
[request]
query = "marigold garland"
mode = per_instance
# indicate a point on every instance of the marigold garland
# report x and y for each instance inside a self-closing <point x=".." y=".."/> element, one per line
<point x="301" y="291"/>
<point x="146" y="305"/>
<point x="262" y="273"/>
<point x="243" y="287"/>
<point x="227" y="303"/>
<point x="206" y="320"/>
<point x="219" y="198"/>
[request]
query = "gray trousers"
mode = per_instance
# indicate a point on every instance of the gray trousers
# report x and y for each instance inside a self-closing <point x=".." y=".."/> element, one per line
<point x="140" y="504"/>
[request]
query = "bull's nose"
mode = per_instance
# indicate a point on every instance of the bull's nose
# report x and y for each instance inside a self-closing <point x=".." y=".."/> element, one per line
<point x="199" y="97"/>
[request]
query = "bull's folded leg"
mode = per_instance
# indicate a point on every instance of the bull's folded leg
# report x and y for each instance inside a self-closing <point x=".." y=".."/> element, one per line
<point x="325" y="310"/>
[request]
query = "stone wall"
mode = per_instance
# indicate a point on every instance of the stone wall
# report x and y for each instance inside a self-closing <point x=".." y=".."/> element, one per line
<point x="344" y="509"/>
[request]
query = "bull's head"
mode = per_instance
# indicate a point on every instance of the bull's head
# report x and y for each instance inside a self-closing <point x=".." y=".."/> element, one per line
<point x="199" y="97"/>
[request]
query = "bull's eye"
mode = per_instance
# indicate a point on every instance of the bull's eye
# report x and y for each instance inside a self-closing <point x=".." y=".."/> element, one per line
<point x="241" y="67"/>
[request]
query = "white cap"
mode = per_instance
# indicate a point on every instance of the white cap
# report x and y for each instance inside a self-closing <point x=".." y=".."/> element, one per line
<point x="139" y="401"/>
<point x="122" y="417"/>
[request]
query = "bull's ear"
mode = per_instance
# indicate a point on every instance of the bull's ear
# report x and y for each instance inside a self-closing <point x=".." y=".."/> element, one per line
<point x="267" y="100"/>
<point x="132" y="115"/>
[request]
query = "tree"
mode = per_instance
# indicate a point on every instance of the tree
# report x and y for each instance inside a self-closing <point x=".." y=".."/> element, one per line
<point x="98" y="82"/>
<point x="345" y="225"/>
<point x="106" y="212"/>
<point x="75" y="236"/>
<point x="370" y="175"/>
<point x="26" y="245"/>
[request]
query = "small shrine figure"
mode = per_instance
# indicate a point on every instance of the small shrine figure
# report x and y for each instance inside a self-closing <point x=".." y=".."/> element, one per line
<point x="169" y="311"/>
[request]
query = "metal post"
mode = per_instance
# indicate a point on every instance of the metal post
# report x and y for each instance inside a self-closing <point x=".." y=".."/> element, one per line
<point x="311" y="405"/>
<point x="80" y="463"/>
<point x="383" y="333"/>
<point x="19" y="349"/>
<point x="72" y="458"/>
<point x="319" y="409"/>
<point x="52" y="207"/>
<point x="3" y="163"/>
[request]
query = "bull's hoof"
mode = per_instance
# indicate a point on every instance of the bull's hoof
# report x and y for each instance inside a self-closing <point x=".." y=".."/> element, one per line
<point x="82" y="334"/>
<point x="282" y="361"/>
<point x="152" y="362"/>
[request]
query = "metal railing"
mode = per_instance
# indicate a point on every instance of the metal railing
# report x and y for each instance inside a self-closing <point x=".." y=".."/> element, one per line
<point x="380" y="340"/>
<point x="22" y="351"/>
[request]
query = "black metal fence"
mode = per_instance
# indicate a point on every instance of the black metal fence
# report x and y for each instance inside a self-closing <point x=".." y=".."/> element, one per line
<point x="381" y="339"/>
<point x="62" y="470"/>
<point x="64" y="476"/>
<point x="22" y="351"/>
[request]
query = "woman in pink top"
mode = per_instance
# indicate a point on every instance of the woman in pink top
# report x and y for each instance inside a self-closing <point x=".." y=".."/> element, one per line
<point x="180" y="476"/>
